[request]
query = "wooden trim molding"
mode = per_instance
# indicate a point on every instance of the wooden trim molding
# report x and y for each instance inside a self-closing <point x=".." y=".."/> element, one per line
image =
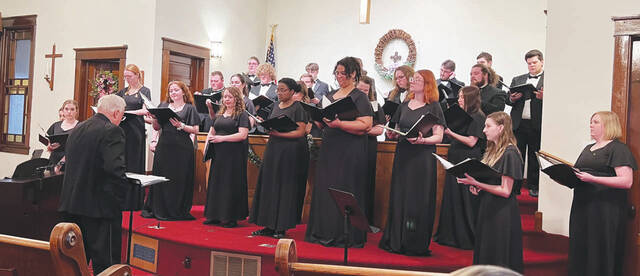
<point x="621" y="80"/>
<point x="626" y="25"/>
<point x="172" y="46"/>
<point x="83" y="56"/>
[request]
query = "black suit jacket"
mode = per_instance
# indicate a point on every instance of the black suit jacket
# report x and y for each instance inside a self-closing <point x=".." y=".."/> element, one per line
<point x="518" y="106"/>
<point x="271" y="93"/>
<point x="458" y="82"/>
<point x="94" y="182"/>
<point x="493" y="99"/>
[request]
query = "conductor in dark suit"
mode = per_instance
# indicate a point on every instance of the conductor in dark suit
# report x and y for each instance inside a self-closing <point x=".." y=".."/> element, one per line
<point x="319" y="88"/>
<point x="526" y="114"/>
<point x="493" y="99"/>
<point x="94" y="183"/>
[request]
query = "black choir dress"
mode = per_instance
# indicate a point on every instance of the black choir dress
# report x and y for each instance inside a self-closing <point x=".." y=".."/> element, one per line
<point x="227" y="198"/>
<point x="280" y="191"/>
<point x="174" y="159"/>
<point x="134" y="131"/>
<point x="342" y="164"/>
<point x="599" y="214"/>
<point x="412" y="200"/>
<point x="372" y="155"/>
<point x="459" y="207"/>
<point x="498" y="228"/>
<point x="56" y="129"/>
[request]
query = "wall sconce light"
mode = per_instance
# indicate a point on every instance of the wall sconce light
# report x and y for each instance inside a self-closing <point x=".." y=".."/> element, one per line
<point x="216" y="49"/>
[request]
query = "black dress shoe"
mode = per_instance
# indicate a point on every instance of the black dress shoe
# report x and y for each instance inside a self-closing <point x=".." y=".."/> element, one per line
<point x="211" y="221"/>
<point x="533" y="193"/>
<point x="230" y="224"/>
<point x="279" y="234"/>
<point x="146" y="214"/>
<point x="263" y="232"/>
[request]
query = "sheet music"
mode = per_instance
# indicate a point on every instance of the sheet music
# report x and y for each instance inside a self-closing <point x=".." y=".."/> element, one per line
<point x="146" y="180"/>
<point x="325" y="102"/>
<point x="446" y="164"/>
<point x="147" y="102"/>
<point x="252" y="96"/>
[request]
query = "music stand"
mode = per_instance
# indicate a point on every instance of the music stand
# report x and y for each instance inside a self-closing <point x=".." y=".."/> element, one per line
<point x="353" y="215"/>
<point x="134" y="183"/>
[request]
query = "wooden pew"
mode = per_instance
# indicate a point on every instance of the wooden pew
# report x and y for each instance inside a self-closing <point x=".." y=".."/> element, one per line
<point x="286" y="259"/>
<point x="63" y="255"/>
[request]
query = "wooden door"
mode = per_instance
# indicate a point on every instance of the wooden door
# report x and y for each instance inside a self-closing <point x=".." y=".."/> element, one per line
<point x="626" y="103"/>
<point x="184" y="62"/>
<point x="93" y="68"/>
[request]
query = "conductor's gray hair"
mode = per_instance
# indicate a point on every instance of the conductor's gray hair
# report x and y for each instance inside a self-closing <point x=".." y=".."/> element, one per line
<point x="111" y="103"/>
<point x="484" y="270"/>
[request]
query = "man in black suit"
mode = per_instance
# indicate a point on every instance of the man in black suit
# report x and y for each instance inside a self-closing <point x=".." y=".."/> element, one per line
<point x="94" y="183"/>
<point x="493" y="99"/>
<point x="216" y="80"/>
<point x="526" y="114"/>
<point x="448" y="79"/>
<point x="267" y="86"/>
<point x="486" y="59"/>
<point x="320" y="88"/>
<point x="252" y="76"/>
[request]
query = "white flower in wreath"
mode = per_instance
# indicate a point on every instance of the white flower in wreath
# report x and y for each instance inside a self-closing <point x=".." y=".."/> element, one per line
<point x="395" y="48"/>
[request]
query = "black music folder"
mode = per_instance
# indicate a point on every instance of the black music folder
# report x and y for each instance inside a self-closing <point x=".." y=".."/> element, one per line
<point x="200" y="101"/>
<point x="163" y="114"/>
<point x="526" y="89"/>
<point x="209" y="152"/>
<point x="344" y="108"/>
<point x="281" y="123"/>
<point x="457" y="119"/>
<point x="59" y="138"/>
<point x="390" y="107"/>
<point x="262" y="101"/>
<point x="476" y="169"/>
<point x="422" y="125"/>
<point x="446" y="92"/>
<point x="563" y="174"/>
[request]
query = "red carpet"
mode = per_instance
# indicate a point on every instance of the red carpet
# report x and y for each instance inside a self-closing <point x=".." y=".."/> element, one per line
<point x="179" y="239"/>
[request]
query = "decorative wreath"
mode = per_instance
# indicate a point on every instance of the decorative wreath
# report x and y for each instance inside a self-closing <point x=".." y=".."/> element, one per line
<point x="105" y="83"/>
<point x="382" y="44"/>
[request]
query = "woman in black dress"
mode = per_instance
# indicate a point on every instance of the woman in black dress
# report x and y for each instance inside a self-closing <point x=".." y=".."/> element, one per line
<point x="498" y="229"/>
<point x="69" y="121"/>
<point x="342" y="162"/>
<point x="599" y="211"/>
<point x="133" y="124"/>
<point x="412" y="201"/>
<point x="281" y="183"/>
<point x="174" y="157"/>
<point x="227" y="199"/>
<point x="366" y="85"/>
<point x="459" y="206"/>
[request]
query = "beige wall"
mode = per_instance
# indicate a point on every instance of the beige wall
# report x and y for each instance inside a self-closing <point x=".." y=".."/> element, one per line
<point x="76" y="24"/>
<point x="578" y="78"/>
<point x="327" y="31"/>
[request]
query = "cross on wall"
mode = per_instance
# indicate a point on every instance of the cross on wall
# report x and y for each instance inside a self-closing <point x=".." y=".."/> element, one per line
<point x="53" y="57"/>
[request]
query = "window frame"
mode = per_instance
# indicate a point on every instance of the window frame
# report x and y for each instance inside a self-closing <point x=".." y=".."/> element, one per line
<point x="28" y="23"/>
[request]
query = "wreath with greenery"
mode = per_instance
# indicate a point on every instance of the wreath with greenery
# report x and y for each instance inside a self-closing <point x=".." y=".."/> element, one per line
<point x="104" y="83"/>
<point x="382" y="44"/>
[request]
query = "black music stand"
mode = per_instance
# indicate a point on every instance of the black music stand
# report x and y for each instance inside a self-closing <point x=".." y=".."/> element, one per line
<point x="135" y="183"/>
<point x="353" y="215"/>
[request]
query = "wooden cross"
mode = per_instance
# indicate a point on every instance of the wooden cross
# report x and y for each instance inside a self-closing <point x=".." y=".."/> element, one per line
<point x="396" y="57"/>
<point x="53" y="57"/>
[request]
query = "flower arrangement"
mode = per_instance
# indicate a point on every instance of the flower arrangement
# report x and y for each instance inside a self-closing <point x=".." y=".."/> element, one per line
<point x="105" y="83"/>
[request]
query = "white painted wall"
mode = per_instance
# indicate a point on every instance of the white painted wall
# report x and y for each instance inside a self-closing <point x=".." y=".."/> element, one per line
<point x="326" y="31"/>
<point x="578" y="80"/>
<point x="76" y="24"/>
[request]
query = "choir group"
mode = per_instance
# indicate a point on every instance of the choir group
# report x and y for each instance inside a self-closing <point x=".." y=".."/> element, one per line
<point x="478" y="214"/>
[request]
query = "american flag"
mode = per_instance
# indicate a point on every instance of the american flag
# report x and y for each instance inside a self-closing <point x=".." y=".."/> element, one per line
<point x="270" y="52"/>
